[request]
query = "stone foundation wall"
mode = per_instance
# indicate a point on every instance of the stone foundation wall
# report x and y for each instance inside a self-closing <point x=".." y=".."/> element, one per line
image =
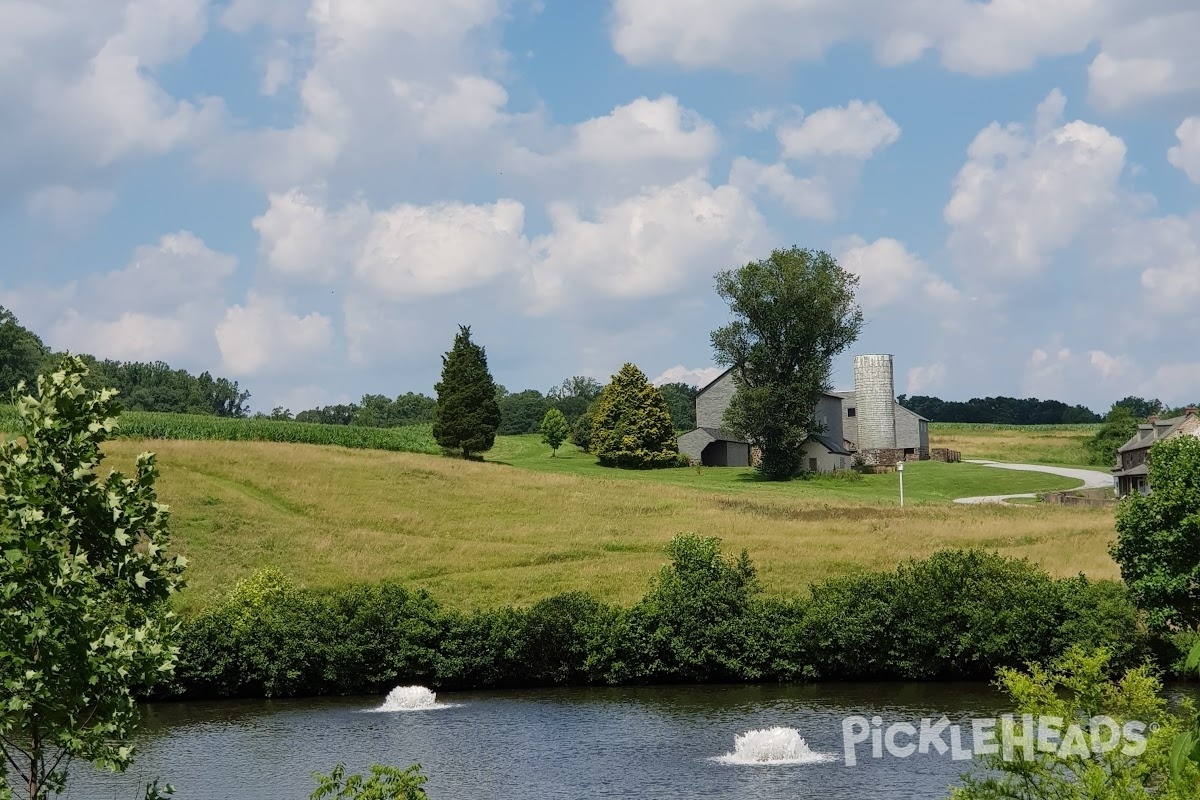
<point x="945" y="454"/>
<point x="882" y="457"/>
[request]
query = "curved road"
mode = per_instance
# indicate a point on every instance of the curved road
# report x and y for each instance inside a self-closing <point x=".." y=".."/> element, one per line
<point x="1092" y="479"/>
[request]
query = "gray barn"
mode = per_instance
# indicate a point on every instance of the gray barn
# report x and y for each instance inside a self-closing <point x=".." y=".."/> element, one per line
<point x="712" y="446"/>
<point x="912" y="430"/>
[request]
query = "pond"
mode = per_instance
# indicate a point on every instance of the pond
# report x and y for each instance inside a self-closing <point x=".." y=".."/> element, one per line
<point x="649" y="743"/>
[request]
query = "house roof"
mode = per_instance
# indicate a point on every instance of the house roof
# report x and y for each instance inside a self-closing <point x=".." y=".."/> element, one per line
<point x="1140" y="469"/>
<point x="717" y="379"/>
<point x="721" y="435"/>
<point x="829" y="444"/>
<point x="1162" y="428"/>
<point x="713" y="382"/>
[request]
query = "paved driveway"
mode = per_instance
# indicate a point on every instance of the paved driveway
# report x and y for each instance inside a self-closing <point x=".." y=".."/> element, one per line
<point x="1090" y="478"/>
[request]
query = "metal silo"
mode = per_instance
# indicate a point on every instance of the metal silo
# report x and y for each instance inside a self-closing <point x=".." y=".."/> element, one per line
<point x="874" y="400"/>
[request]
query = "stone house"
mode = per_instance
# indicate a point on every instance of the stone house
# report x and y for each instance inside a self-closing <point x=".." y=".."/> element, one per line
<point x="912" y="430"/>
<point x="711" y="445"/>
<point x="1132" y="473"/>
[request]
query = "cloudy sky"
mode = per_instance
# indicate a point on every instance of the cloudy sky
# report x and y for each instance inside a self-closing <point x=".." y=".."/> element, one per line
<point x="310" y="196"/>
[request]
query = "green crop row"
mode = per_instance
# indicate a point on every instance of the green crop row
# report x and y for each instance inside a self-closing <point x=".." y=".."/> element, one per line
<point x="153" y="425"/>
<point x="950" y="427"/>
<point x="196" y="427"/>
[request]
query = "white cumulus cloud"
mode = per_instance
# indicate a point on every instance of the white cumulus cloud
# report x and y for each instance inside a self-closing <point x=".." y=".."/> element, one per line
<point x="696" y="376"/>
<point x="1023" y="196"/>
<point x="889" y="273"/>
<point x="654" y="243"/>
<point x="1186" y="154"/>
<point x="925" y="378"/>
<point x="857" y="130"/>
<point x="265" y="336"/>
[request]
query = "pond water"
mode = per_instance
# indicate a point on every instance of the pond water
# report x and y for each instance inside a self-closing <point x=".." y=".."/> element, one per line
<point x="649" y="743"/>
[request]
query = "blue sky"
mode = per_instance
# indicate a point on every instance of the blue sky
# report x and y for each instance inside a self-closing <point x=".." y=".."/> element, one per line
<point x="309" y="197"/>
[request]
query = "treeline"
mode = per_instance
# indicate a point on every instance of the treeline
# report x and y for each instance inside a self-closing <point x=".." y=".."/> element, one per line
<point x="955" y="615"/>
<point x="151" y="386"/>
<point x="520" y="412"/>
<point x="999" y="410"/>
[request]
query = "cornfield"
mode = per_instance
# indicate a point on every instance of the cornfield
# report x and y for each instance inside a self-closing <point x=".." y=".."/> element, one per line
<point x="952" y="427"/>
<point x="196" y="427"/>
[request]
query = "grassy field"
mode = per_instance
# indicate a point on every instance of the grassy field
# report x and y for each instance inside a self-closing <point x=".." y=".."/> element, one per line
<point x="522" y="525"/>
<point x="1033" y="444"/>
<point x="479" y="534"/>
<point x="924" y="482"/>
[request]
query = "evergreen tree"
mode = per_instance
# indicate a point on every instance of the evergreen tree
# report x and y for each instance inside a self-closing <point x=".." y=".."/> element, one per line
<point x="467" y="414"/>
<point x="631" y="425"/>
<point x="555" y="430"/>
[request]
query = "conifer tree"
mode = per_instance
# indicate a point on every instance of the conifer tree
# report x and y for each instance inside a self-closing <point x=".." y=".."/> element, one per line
<point x="631" y="424"/>
<point x="467" y="414"/>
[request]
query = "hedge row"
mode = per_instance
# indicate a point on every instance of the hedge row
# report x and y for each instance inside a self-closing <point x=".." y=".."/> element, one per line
<point x="955" y="615"/>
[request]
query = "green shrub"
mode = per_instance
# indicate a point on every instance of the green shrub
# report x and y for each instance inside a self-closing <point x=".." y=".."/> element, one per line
<point x="962" y="614"/>
<point x="695" y="623"/>
<point x="384" y="783"/>
<point x="565" y="640"/>
<point x="385" y="635"/>
<point x="955" y="615"/>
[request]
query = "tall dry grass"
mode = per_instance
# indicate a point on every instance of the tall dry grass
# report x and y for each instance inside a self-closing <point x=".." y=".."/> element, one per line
<point x="481" y="534"/>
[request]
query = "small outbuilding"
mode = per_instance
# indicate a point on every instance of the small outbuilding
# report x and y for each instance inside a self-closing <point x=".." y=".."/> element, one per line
<point x="714" y="447"/>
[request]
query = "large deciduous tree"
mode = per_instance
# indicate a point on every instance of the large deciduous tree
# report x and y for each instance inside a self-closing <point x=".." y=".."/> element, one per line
<point x="467" y="414"/>
<point x="793" y="312"/>
<point x="630" y="424"/>
<point x="1119" y="426"/>
<point x="22" y="354"/>
<point x="1158" y="537"/>
<point x="681" y="401"/>
<point x="85" y="579"/>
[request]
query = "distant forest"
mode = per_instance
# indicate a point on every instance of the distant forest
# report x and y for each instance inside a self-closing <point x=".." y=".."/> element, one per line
<point x="999" y="410"/>
<point x="1031" y="411"/>
<point x="157" y="387"/>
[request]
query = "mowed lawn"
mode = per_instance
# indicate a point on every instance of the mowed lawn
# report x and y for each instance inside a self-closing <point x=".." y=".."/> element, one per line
<point x="479" y="534"/>
<point x="924" y="482"/>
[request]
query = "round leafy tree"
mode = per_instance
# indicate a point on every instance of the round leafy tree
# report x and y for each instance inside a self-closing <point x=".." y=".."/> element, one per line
<point x="467" y="414"/>
<point x="1158" y="537"/>
<point x="631" y="425"/>
<point x="555" y="430"/>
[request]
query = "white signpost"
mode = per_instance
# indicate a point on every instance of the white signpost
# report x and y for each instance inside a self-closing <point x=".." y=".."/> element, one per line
<point x="900" y="469"/>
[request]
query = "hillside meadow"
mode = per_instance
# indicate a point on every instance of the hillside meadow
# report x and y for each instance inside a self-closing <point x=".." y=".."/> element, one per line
<point x="1061" y="445"/>
<point x="480" y="534"/>
<point x="523" y="525"/>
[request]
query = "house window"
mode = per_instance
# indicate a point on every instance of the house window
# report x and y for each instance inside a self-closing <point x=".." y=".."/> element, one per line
<point x="812" y="465"/>
<point x="908" y="451"/>
<point x="851" y="412"/>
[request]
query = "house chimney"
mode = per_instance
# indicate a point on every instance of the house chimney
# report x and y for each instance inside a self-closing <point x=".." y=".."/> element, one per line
<point x="1153" y="419"/>
<point x="1190" y="411"/>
